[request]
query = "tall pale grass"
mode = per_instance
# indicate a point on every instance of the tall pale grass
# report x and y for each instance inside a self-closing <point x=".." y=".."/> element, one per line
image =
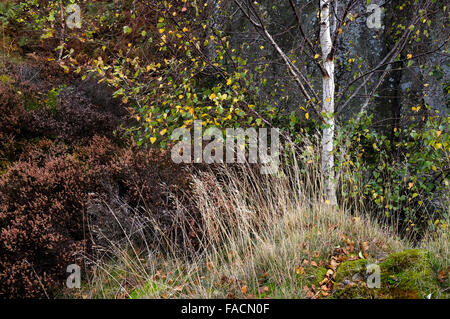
<point x="254" y="231"/>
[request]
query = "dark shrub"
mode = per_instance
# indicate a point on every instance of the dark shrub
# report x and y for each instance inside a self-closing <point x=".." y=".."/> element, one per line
<point x="143" y="186"/>
<point x="60" y="164"/>
<point x="41" y="218"/>
<point x="74" y="118"/>
<point x="12" y="120"/>
<point x="45" y="197"/>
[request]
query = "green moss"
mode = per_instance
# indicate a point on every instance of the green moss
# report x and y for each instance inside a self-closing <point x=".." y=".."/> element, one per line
<point x="410" y="271"/>
<point x="5" y="79"/>
<point x="321" y="273"/>
<point x="31" y="103"/>
<point x="407" y="274"/>
<point x="356" y="291"/>
<point x="150" y="288"/>
<point x="4" y="167"/>
<point x="350" y="268"/>
<point x="312" y="275"/>
<point x="52" y="100"/>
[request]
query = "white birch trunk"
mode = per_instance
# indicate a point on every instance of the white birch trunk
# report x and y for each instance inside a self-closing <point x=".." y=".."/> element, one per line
<point x="214" y="6"/>
<point x="328" y="102"/>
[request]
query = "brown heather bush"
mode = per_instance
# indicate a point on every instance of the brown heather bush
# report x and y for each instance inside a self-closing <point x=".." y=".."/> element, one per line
<point x="11" y="123"/>
<point x="41" y="218"/>
<point x="44" y="200"/>
<point x="75" y="118"/>
<point x="60" y="164"/>
<point x="75" y="111"/>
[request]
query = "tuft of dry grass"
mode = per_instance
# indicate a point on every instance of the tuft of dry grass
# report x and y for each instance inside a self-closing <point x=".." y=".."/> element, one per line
<point x="438" y="243"/>
<point x="256" y="230"/>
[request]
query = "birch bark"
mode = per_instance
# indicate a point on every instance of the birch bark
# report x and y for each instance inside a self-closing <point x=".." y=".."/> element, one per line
<point x="328" y="102"/>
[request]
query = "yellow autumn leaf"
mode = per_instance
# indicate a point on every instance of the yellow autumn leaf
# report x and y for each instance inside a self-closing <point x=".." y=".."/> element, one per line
<point x="300" y="270"/>
<point x="307" y="116"/>
<point x="152" y="139"/>
<point x="163" y="132"/>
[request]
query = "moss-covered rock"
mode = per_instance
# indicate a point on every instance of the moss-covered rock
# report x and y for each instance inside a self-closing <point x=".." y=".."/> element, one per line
<point x="405" y="275"/>
<point x="347" y="270"/>
<point x="312" y="275"/>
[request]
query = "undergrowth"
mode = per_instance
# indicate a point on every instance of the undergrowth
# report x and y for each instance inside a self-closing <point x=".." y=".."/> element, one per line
<point x="261" y="236"/>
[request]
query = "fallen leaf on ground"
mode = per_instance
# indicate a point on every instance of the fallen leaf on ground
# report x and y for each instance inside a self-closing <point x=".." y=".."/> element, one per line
<point x="309" y="292"/>
<point x="365" y="246"/>
<point x="442" y="275"/>
<point x="333" y="264"/>
<point x="324" y="281"/>
<point x="300" y="270"/>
